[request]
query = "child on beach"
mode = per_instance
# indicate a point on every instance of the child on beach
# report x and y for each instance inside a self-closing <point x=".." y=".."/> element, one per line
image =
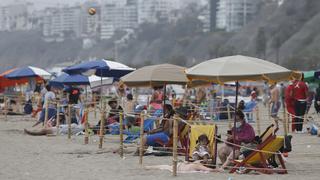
<point x="201" y="150"/>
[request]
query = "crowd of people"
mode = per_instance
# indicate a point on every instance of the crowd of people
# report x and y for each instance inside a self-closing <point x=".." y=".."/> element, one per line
<point x="294" y="97"/>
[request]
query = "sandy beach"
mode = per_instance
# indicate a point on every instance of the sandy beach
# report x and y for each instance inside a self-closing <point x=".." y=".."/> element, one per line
<point x="55" y="157"/>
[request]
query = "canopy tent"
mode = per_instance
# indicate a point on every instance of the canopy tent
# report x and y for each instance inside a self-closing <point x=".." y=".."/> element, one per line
<point x="103" y="68"/>
<point x="310" y="76"/>
<point x="26" y="72"/>
<point x="5" y="82"/>
<point x="238" y="68"/>
<point x="156" y="75"/>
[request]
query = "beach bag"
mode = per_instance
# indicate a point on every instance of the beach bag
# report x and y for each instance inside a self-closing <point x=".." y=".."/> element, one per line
<point x="28" y="107"/>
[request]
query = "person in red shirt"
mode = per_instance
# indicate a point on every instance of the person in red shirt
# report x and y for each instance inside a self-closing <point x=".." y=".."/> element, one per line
<point x="300" y="94"/>
<point x="289" y="101"/>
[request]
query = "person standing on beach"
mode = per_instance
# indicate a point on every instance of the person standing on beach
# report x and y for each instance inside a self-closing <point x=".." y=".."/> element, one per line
<point x="289" y="101"/>
<point x="274" y="101"/>
<point x="49" y="97"/>
<point x="300" y="94"/>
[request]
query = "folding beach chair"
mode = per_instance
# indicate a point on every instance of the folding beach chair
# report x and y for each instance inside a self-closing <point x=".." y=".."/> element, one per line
<point x="195" y="130"/>
<point x="258" y="160"/>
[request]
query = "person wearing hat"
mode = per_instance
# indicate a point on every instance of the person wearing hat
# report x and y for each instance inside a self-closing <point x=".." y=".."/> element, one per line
<point x="165" y="131"/>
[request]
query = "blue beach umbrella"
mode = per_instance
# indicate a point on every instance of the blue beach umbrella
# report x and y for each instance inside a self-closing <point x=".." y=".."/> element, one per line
<point x="103" y="68"/>
<point x="66" y="79"/>
<point x="26" y="72"/>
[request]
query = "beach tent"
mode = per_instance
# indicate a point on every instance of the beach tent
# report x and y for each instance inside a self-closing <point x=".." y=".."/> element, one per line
<point x="102" y="68"/>
<point x="310" y="76"/>
<point x="5" y="82"/>
<point x="28" y="72"/>
<point x="238" y="68"/>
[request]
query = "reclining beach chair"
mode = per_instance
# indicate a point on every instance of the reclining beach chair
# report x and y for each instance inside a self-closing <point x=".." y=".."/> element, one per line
<point x="258" y="160"/>
<point x="195" y="130"/>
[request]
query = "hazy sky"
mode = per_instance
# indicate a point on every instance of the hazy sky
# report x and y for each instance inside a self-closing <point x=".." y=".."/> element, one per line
<point x="42" y="3"/>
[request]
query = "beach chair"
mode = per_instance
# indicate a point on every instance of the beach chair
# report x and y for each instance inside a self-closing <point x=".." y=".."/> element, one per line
<point x="195" y="130"/>
<point x="258" y="160"/>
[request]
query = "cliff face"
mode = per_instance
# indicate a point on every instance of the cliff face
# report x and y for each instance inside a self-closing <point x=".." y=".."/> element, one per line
<point x="288" y="34"/>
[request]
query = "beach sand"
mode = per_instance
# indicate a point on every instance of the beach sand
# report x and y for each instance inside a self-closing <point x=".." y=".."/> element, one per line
<point x="55" y="157"/>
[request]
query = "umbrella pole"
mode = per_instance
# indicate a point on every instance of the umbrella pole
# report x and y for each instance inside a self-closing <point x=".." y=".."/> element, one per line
<point x="58" y="118"/>
<point x="69" y="121"/>
<point x="5" y="108"/>
<point x="235" y="117"/>
<point x="164" y="98"/>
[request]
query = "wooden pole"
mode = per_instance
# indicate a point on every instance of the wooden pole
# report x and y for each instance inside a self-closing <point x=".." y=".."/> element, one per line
<point x="95" y="105"/>
<point x="121" y="133"/>
<point x="86" y="125"/>
<point x="102" y="122"/>
<point x="46" y="112"/>
<point x="269" y="112"/>
<point x="175" y="146"/>
<point x="258" y="120"/>
<point x="69" y="121"/>
<point x="285" y="121"/>
<point x="229" y="116"/>
<point x="5" y="108"/>
<point x="58" y="118"/>
<point x="141" y="136"/>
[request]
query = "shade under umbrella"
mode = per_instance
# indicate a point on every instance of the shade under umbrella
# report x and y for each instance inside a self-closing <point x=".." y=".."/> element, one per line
<point x="28" y="71"/>
<point x="104" y="68"/>
<point x="156" y="75"/>
<point x="237" y="68"/>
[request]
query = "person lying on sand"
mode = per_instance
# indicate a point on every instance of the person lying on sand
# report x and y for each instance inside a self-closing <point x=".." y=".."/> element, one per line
<point x="184" y="167"/>
<point x="63" y="129"/>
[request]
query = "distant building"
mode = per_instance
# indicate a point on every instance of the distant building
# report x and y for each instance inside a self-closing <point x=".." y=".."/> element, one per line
<point x="90" y="23"/>
<point x="151" y="11"/>
<point x="61" y="23"/>
<point x="118" y="16"/>
<point x="14" y="17"/>
<point x="232" y="15"/>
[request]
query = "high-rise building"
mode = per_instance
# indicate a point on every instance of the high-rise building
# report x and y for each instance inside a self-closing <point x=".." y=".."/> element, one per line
<point x="152" y="11"/>
<point x="118" y="16"/>
<point x="14" y="17"/>
<point x="232" y="15"/>
<point x="62" y="22"/>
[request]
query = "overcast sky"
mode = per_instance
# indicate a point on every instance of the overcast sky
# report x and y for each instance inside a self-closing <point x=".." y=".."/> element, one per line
<point x="43" y="3"/>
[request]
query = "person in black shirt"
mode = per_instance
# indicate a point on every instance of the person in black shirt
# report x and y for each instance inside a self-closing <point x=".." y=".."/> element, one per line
<point x="74" y="95"/>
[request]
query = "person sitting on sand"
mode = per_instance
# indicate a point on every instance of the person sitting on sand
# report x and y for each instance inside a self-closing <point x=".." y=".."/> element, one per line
<point x="165" y="131"/>
<point x="113" y="116"/>
<point x="184" y="167"/>
<point x="244" y="133"/>
<point x="201" y="151"/>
